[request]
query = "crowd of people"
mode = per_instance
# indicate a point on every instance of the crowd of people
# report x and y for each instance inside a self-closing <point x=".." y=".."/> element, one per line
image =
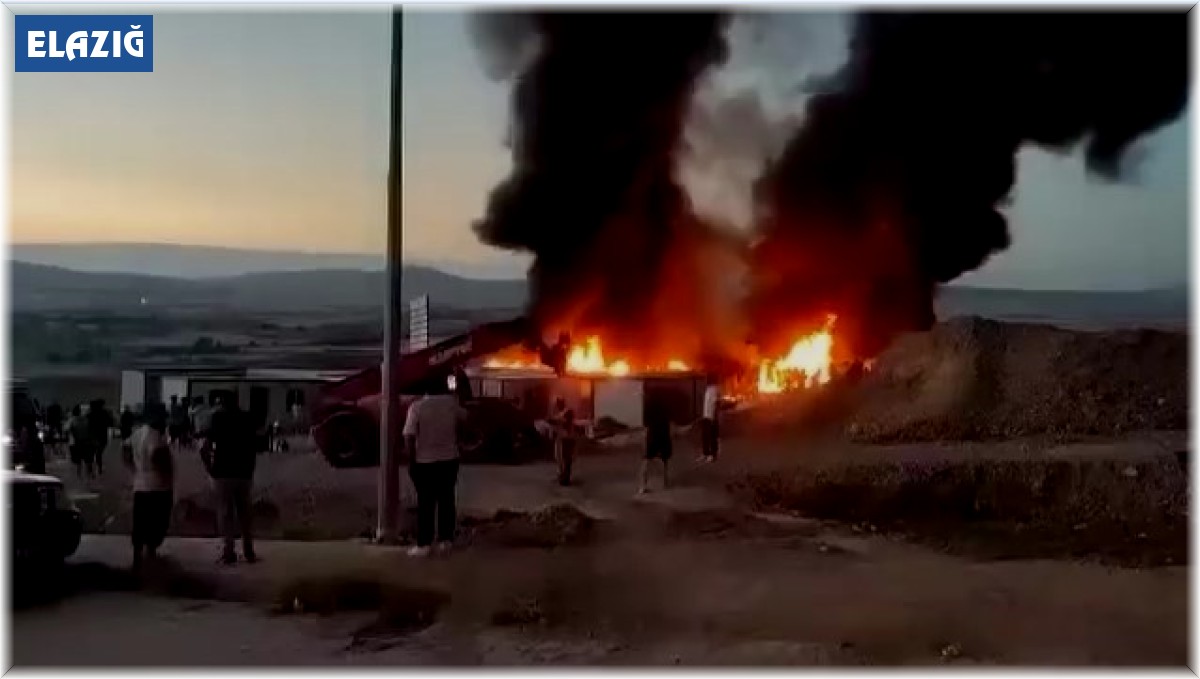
<point x="85" y="435"/>
<point x="228" y="443"/>
<point x="221" y="433"/>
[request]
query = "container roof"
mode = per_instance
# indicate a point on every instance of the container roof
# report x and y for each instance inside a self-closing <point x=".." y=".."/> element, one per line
<point x="249" y="374"/>
<point x="511" y="373"/>
<point x="547" y="373"/>
<point x="297" y="374"/>
<point x="183" y="369"/>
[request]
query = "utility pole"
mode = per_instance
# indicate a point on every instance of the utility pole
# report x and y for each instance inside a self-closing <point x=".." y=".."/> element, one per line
<point x="390" y="438"/>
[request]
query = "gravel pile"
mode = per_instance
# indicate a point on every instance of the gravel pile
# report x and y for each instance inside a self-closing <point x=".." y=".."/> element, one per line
<point x="554" y="526"/>
<point x="973" y="379"/>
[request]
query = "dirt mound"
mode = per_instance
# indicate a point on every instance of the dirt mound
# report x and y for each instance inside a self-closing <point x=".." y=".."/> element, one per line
<point x="727" y="524"/>
<point x="401" y="610"/>
<point x="972" y="379"/>
<point x="327" y="596"/>
<point x="553" y="526"/>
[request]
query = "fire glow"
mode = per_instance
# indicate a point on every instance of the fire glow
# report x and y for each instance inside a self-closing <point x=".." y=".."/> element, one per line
<point x="807" y="364"/>
<point x="586" y="359"/>
<point x="589" y="360"/>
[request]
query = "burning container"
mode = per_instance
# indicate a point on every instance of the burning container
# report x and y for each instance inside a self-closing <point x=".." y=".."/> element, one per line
<point x="594" y="397"/>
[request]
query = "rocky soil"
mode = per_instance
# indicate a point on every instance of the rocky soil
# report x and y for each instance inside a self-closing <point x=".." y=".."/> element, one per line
<point x="972" y="379"/>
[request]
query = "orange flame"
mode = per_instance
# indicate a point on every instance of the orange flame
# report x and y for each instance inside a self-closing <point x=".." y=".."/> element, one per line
<point x="586" y="359"/>
<point x="807" y="364"/>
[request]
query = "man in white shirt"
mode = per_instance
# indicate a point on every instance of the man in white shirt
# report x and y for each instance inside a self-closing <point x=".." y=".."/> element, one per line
<point x="709" y="433"/>
<point x="202" y="417"/>
<point x="149" y="458"/>
<point x="431" y="430"/>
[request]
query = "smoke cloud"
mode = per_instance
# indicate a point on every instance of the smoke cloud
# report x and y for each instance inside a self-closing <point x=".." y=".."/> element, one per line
<point x="598" y="108"/>
<point x="896" y="181"/>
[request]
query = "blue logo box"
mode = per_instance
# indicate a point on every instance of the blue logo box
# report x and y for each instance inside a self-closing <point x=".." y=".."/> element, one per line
<point x="84" y="43"/>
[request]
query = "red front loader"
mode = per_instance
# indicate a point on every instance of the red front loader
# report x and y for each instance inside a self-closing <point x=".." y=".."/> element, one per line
<point x="346" y="419"/>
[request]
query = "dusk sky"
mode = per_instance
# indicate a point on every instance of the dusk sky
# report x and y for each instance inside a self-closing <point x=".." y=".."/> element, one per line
<point x="270" y="131"/>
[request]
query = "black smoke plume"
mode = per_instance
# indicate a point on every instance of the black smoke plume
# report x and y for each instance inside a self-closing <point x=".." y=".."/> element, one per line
<point x="897" y="179"/>
<point x="598" y="108"/>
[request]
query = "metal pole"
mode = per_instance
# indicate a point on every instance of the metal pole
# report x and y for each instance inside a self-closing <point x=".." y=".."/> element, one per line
<point x="390" y="437"/>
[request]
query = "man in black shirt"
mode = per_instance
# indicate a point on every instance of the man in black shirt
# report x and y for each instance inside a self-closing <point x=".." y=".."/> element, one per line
<point x="100" y="424"/>
<point x="229" y="455"/>
<point x="658" y="439"/>
<point x="177" y="425"/>
<point x="126" y="426"/>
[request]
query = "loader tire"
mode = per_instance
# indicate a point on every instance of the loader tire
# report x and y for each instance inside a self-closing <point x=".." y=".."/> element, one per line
<point x="349" y="439"/>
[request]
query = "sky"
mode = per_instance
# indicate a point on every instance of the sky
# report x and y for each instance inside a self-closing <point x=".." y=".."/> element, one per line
<point x="269" y="130"/>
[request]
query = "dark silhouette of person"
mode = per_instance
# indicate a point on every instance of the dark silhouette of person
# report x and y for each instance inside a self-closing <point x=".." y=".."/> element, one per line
<point x="657" y="419"/>
<point x="100" y="424"/>
<point x="229" y="455"/>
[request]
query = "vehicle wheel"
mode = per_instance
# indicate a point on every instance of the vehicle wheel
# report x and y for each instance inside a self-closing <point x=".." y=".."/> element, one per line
<point x="472" y="445"/>
<point x="350" y="440"/>
<point x="531" y="445"/>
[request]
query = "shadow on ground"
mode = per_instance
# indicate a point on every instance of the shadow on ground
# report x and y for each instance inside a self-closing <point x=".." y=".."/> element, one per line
<point x="42" y="585"/>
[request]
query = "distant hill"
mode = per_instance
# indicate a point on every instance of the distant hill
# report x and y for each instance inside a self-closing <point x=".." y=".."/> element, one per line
<point x="37" y="287"/>
<point x="1166" y="307"/>
<point x="184" y="261"/>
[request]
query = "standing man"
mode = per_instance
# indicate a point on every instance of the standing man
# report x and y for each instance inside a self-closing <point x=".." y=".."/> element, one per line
<point x="710" y="442"/>
<point x="126" y="427"/>
<point x="178" y="425"/>
<point x="658" y="441"/>
<point x="148" y="456"/>
<point x="563" y="421"/>
<point x="193" y="410"/>
<point x="100" y="423"/>
<point x="202" y="416"/>
<point x="229" y="456"/>
<point x="431" y="434"/>
<point x="83" y="454"/>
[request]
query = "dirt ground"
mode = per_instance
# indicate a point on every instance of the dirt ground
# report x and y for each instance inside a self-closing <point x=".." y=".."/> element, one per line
<point x="816" y="599"/>
<point x="745" y="561"/>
